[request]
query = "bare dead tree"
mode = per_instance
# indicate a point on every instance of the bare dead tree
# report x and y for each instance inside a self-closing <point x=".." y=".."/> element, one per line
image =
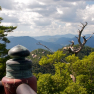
<point x="71" y="48"/>
<point x="77" y="50"/>
<point x="50" y="51"/>
<point x="73" y="78"/>
<point x="44" y="46"/>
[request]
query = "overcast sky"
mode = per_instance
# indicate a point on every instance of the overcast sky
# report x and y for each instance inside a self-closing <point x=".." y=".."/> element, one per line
<point x="47" y="17"/>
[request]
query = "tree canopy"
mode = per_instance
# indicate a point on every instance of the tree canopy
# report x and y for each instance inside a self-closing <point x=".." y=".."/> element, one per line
<point x="3" y="41"/>
<point x="75" y="77"/>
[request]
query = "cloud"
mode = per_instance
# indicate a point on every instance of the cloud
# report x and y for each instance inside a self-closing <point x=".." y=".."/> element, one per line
<point x="87" y="14"/>
<point x="8" y="18"/>
<point x="36" y="4"/>
<point x="42" y="22"/>
<point x="46" y="11"/>
<point x="69" y="13"/>
<point x="7" y="4"/>
<point x="47" y="17"/>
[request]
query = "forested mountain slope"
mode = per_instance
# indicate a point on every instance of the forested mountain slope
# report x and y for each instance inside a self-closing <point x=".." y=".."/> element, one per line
<point x="74" y="77"/>
<point x="37" y="54"/>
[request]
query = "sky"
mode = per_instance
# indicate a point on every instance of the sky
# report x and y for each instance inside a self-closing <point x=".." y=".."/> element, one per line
<point x="47" y="17"/>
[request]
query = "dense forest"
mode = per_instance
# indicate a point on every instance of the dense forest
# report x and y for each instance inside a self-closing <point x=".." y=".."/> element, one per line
<point x="37" y="54"/>
<point x="57" y="77"/>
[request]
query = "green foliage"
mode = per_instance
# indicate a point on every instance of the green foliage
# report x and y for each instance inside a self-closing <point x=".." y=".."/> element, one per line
<point x="61" y="82"/>
<point x="3" y="50"/>
<point x="83" y="71"/>
<point x="72" y="58"/>
<point x="37" y="75"/>
<point x="45" y="84"/>
<point x="74" y="88"/>
<point x="86" y="50"/>
<point x="35" y="56"/>
<point x="49" y="67"/>
<point x="51" y="84"/>
<point x="56" y="57"/>
<point x="57" y="81"/>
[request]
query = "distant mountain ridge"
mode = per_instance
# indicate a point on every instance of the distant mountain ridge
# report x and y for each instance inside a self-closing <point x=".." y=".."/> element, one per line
<point x="30" y="42"/>
<point x="53" y="38"/>
<point x="65" y="41"/>
<point x="56" y="37"/>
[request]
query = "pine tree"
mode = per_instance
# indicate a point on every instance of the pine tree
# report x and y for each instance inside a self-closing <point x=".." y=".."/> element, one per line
<point x="3" y="51"/>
